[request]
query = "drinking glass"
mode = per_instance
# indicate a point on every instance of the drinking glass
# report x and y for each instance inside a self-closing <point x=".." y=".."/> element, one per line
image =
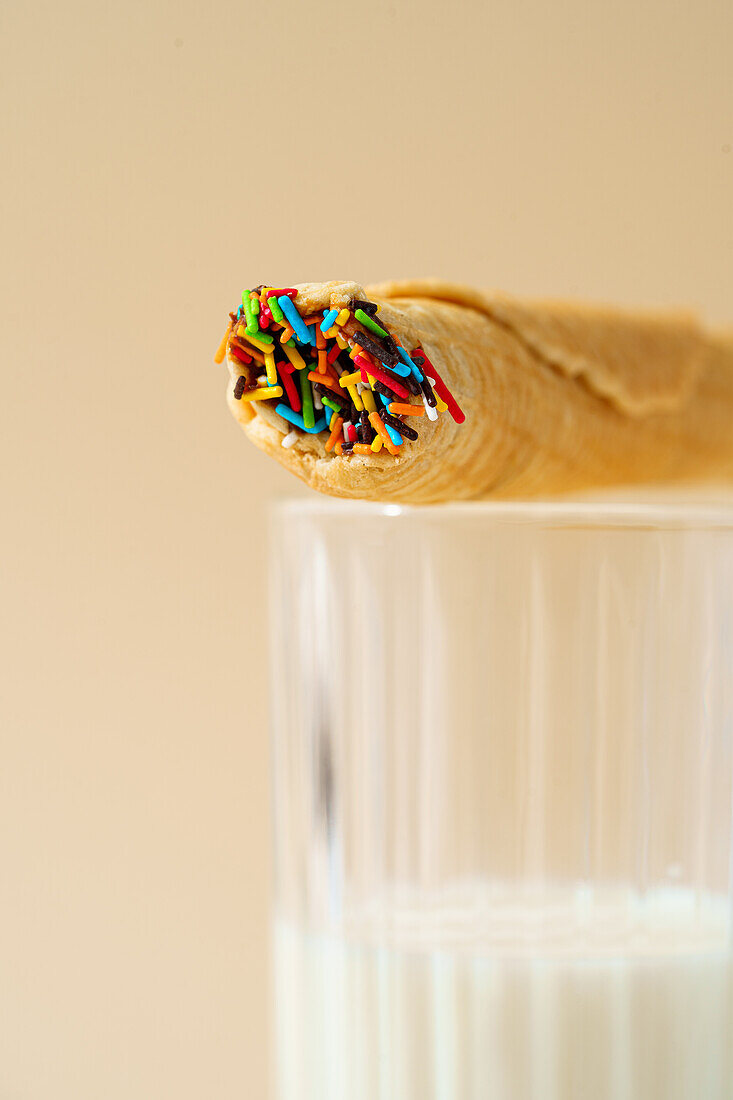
<point x="502" y="752"/>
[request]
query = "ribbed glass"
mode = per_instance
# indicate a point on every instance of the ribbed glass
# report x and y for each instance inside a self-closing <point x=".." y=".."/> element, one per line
<point x="503" y="760"/>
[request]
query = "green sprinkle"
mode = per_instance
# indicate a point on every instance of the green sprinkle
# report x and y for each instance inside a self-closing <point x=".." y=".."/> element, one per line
<point x="307" y="395"/>
<point x="330" y="405"/>
<point x="275" y="310"/>
<point x="290" y="343"/>
<point x="369" y="322"/>
<point x="247" y="304"/>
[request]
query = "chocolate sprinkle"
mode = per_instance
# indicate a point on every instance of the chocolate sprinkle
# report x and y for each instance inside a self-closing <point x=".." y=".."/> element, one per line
<point x="398" y="425"/>
<point x="366" y="429"/>
<point x="427" y="389"/>
<point x="360" y="303"/>
<point x="375" y="348"/>
<point x="326" y="391"/>
<point x="239" y="387"/>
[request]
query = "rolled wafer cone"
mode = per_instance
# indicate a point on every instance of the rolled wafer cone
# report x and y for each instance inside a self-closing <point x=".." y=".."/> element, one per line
<point x="557" y="397"/>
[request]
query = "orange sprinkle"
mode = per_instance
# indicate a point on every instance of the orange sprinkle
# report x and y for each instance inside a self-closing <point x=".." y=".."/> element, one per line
<point x="378" y="424"/>
<point x="395" y="407"/>
<point x="257" y="355"/>
<point x="285" y="335"/>
<point x="322" y="360"/>
<point x="339" y="447"/>
<point x="362" y="449"/>
<point x="222" y="349"/>
<point x="335" y="434"/>
<point x="314" y="319"/>
<point x="314" y="376"/>
<point x="320" y="338"/>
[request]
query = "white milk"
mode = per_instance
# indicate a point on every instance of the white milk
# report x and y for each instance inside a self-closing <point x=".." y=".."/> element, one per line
<point x="565" y="998"/>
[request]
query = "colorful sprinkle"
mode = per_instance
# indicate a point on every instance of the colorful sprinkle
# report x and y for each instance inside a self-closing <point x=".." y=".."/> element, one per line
<point x="249" y="312"/>
<point x="295" y="357"/>
<point x="369" y="322"/>
<point x="398" y="409"/>
<point x="239" y="354"/>
<point x="222" y="349"/>
<point x="294" y="318"/>
<point x="270" y="369"/>
<point x="295" y="418"/>
<point x="335" y="433"/>
<point x="263" y="393"/>
<point x="356" y="384"/>
<point x="290" y="388"/>
<point x="306" y="396"/>
<point x="403" y="429"/>
<point x="444" y="393"/>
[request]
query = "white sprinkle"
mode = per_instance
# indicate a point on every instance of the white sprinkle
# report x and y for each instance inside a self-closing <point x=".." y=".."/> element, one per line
<point x="317" y="403"/>
<point x="262" y="380"/>
<point x="289" y="439"/>
<point x="432" y="413"/>
<point x="346" y="434"/>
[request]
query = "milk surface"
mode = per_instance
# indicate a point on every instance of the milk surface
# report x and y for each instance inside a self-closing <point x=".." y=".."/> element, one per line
<point x="485" y="996"/>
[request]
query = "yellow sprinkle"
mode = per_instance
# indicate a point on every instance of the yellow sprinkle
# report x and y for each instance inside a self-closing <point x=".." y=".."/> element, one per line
<point x="263" y="393"/>
<point x="440" y="405"/>
<point x="354" y="395"/>
<point x="270" y="369"/>
<point x="241" y="330"/>
<point x="294" y="356"/>
<point x="331" y="333"/>
<point x="368" y="398"/>
<point x="377" y="444"/>
<point x="342" y="317"/>
<point x="349" y="379"/>
<point x="342" y="343"/>
<point x="260" y="344"/>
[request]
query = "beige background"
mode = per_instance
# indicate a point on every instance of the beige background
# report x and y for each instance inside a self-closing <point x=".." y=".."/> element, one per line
<point x="162" y="156"/>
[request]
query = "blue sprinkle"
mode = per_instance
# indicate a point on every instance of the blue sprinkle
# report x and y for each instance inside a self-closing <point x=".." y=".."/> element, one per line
<point x="295" y="418"/>
<point x="393" y="435"/>
<point x="400" y="370"/>
<point x="294" y="319"/>
<point x="413" y="366"/>
<point x="328" y="319"/>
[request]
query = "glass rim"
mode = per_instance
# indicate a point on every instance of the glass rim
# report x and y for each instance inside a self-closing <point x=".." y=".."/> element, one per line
<point x="655" y="511"/>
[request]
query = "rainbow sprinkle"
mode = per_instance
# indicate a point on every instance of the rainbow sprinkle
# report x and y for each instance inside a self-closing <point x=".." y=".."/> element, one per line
<point x="339" y="374"/>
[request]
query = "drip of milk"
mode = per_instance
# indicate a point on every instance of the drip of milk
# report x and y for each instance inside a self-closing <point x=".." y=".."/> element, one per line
<point x="569" y="997"/>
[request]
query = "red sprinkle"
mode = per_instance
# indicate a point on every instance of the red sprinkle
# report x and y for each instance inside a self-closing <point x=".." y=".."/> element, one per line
<point x="381" y="376"/>
<point x="443" y="392"/>
<point x="333" y="353"/>
<point x="239" y="354"/>
<point x="286" y="292"/>
<point x="289" y="386"/>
